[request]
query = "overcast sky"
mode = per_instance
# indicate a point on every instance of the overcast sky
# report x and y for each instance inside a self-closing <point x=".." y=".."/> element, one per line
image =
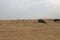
<point x="29" y="9"/>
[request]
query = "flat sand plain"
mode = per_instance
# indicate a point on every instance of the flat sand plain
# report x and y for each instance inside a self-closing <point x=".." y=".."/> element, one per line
<point x="29" y="30"/>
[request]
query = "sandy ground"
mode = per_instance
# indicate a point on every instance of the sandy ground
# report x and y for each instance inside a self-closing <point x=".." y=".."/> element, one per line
<point x="29" y="30"/>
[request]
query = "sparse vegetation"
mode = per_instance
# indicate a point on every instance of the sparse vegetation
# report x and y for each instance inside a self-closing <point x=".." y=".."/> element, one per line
<point x="41" y="21"/>
<point x="56" y="20"/>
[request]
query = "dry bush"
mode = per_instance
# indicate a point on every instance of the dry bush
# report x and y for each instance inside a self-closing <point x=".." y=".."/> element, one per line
<point x="41" y="21"/>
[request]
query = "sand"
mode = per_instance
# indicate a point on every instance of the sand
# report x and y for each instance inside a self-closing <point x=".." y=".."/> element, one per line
<point x="29" y="30"/>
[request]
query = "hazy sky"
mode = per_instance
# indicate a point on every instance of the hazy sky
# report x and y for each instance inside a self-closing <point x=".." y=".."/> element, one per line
<point x="29" y="9"/>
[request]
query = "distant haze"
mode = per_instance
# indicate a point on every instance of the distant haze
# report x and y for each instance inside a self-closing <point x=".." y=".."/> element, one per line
<point x="29" y="9"/>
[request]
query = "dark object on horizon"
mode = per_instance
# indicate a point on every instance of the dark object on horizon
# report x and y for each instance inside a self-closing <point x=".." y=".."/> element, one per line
<point x="41" y="21"/>
<point x="55" y="20"/>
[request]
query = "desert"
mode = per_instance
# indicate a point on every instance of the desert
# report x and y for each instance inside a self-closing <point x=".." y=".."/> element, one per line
<point x="29" y="30"/>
